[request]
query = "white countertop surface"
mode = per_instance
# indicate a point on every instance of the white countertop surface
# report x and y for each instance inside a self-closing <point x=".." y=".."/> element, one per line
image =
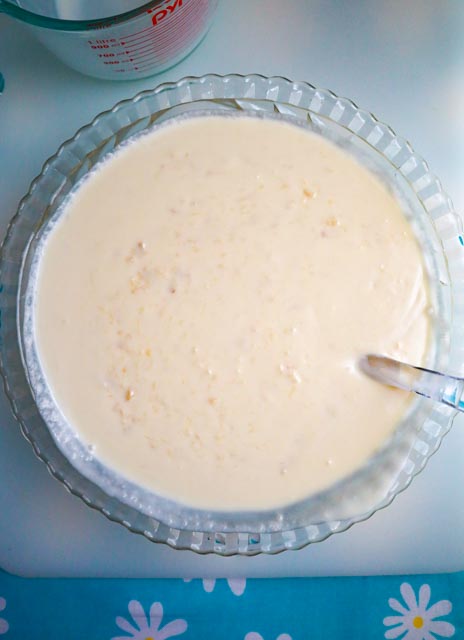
<point x="404" y="61"/>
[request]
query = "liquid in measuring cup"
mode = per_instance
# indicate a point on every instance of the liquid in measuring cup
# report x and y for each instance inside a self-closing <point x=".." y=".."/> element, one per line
<point x="156" y="38"/>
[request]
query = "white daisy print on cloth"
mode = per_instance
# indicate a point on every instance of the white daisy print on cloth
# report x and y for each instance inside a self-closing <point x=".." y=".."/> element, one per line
<point x="252" y="635"/>
<point x="148" y="629"/>
<point x="416" y="620"/>
<point x="237" y="585"/>
<point x="4" y="626"/>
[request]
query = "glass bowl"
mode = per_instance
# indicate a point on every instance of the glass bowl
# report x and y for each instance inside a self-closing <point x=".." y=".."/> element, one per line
<point x="386" y="473"/>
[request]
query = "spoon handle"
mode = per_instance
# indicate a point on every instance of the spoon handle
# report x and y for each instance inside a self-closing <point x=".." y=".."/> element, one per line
<point x="441" y="388"/>
<point x="437" y="386"/>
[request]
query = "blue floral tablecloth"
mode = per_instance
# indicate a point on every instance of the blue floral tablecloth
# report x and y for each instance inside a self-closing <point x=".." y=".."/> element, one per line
<point x="421" y="607"/>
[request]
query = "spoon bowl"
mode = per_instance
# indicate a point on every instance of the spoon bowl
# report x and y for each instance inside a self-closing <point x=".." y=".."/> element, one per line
<point x="437" y="386"/>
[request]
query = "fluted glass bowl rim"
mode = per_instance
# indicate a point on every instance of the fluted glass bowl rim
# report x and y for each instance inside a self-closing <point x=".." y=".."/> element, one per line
<point x="253" y="87"/>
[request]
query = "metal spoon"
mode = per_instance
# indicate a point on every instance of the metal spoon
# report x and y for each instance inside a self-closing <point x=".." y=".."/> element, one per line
<point x="431" y="384"/>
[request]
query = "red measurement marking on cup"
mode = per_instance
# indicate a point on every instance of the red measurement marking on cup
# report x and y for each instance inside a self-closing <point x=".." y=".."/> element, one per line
<point x="142" y="57"/>
<point x="140" y="50"/>
<point x="157" y="17"/>
<point x="152" y="57"/>
<point x="146" y="36"/>
<point x="155" y="42"/>
<point x="102" y="43"/>
<point x="173" y="25"/>
<point x="136" y="43"/>
<point x="143" y="36"/>
<point x="161" y="14"/>
<point x="132" y="35"/>
<point x="166" y="36"/>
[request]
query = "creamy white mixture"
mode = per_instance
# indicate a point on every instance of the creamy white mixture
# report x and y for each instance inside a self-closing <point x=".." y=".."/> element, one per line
<point x="202" y="302"/>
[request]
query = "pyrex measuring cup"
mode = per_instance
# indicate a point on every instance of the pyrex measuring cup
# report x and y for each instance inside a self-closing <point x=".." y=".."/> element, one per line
<point x="116" y="39"/>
